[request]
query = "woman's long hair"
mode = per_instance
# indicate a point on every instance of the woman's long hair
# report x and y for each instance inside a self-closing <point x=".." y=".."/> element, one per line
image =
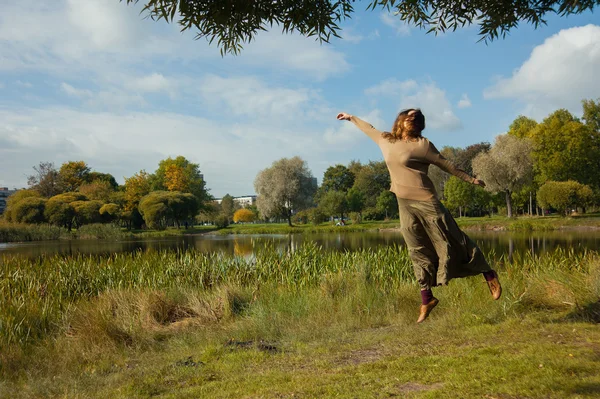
<point x="412" y="132"/>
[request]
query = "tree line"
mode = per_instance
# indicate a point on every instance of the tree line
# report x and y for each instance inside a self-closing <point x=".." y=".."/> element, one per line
<point x="534" y="167"/>
<point x="74" y="195"/>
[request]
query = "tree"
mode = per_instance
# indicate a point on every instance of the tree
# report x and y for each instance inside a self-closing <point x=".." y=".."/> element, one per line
<point x="59" y="210"/>
<point x="566" y="149"/>
<point x="356" y="200"/>
<point x="45" y="180"/>
<point x="227" y="207"/>
<point x="136" y="187"/>
<point x="522" y="127"/>
<point x="564" y="196"/>
<point x="458" y="194"/>
<point x="387" y="203"/>
<point x="232" y="23"/>
<point x="110" y="212"/>
<point x="334" y="203"/>
<point x="160" y="207"/>
<point x="506" y="167"/>
<point x="244" y="215"/>
<point x="97" y="190"/>
<point x="179" y="174"/>
<point x="371" y="181"/>
<point x="86" y="212"/>
<point x="94" y="177"/>
<point x="15" y="199"/>
<point x="287" y="186"/>
<point x="591" y="114"/>
<point x="337" y="178"/>
<point x="72" y="175"/>
<point x="29" y="210"/>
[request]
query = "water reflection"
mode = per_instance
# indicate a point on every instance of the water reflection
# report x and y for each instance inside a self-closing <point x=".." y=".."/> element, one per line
<point x="498" y="243"/>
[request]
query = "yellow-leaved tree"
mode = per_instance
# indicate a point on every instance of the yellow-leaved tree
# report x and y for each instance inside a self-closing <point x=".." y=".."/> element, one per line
<point x="244" y="215"/>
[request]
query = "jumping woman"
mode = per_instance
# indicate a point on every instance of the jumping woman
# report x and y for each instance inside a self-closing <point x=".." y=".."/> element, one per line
<point x="439" y="250"/>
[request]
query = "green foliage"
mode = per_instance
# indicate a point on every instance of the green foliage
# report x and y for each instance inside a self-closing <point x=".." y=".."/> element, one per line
<point x="337" y="178"/>
<point x="566" y="149"/>
<point x="458" y="194"/>
<point x="236" y="22"/>
<point x="29" y="210"/>
<point x="371" y="180"/>
<point x="59" y="210"/>
<point x="591" y="114"/>
<point x="334" y="203"/>
<point x="387" y="204"/>
<point x="228" y="206"/>
<point x="14" y="200"/>
<point x="72" y="175"/>
<point x="86" y="212"/>
<point x="564" y="196"/>
<point x="160" y="207"/>
<point x="356" y="200"/>
<point x="110" y="212"/>
<point x="522" y="127"/>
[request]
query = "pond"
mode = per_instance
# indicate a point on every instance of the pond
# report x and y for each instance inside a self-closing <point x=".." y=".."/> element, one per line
<point x="496" y="242"/>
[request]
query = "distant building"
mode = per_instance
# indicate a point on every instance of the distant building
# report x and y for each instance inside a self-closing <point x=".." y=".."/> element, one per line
<point x="246" y="200"/>
<point x="4" y="194"/>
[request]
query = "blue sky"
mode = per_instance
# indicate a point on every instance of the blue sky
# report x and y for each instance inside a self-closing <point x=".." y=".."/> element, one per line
<point x="92" y="80"/>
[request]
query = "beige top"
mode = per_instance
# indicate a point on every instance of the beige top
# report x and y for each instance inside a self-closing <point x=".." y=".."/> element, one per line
<point x="408" y="163"/>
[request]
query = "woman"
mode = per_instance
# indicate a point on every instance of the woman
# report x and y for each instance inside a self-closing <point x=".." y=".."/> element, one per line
<point x="439" y="250"/>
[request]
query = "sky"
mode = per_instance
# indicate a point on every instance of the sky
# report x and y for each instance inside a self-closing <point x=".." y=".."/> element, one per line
<point x="94" y="80"/>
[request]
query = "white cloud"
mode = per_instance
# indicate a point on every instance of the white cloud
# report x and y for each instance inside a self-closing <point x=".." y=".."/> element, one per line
<point x="294" y="53"/>
<point x="252" y="97"/>
<point x="464" y="102"/>
<point x="391" y="87"/>
<point x="74" y="92"/>
<point x="558" y="74"/>
<point x="427" y="96"/>
<point x="394" y="22"/>
<point x="153" y="83"/>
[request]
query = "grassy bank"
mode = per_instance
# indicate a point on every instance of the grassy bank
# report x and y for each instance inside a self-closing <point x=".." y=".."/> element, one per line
<point x="307" y="324"/>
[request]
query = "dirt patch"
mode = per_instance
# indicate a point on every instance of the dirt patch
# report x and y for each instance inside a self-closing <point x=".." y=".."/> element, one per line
<point x="361" y="356"/>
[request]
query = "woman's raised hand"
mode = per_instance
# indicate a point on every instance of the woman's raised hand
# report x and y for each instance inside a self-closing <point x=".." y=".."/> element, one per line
<point x="342" y="116"/>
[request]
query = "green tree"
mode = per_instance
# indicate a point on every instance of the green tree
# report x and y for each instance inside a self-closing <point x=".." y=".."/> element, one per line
<point x="522" y="127"/>
<point x="45" y="180"/>
<point x="29" y="210"/>
<point x="232" y="23"/>
<point x="506" y="167"/>
<point x="100" y="190"/>
<point x="86" y="212"/>
<point x="287" y="186"/>
<point x="110" y="212"/>
<point x="356" y="200"/>
<point x="566" y="149"/>
<point x="564" y="196"/>
<point x="387" y="204"/>
<point x="161" y="207"/>
<point x="591" y="114"/>
<point x="337" y="178"/>
<point x="458" y="194"/>
<point x="334" y="203"/>
<point x="72" y="175"/>
<point x="136" y="187"/>
<point x="59" y="210"/>
<point x="371" y="181"/>
<point x="15" y="199"/>
<point x="94" y="177"/>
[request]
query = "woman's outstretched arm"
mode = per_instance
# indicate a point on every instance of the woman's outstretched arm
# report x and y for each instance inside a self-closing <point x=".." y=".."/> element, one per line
<point x="366" y="127"/>
<point x="437" y="159"/>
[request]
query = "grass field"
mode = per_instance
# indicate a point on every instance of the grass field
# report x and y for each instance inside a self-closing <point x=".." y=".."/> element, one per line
<point x="301" y="325"/>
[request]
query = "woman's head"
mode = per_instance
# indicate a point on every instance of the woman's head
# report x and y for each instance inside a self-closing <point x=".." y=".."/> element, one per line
<point x="408" y="125"/>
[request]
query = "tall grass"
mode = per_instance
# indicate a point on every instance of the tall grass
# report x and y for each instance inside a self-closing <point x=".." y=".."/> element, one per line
<point x="31" y="232"/>
<point x="35" y="295"/>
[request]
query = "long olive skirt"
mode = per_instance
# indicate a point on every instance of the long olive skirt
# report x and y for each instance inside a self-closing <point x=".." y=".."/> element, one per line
<point x="439" y="250"/>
